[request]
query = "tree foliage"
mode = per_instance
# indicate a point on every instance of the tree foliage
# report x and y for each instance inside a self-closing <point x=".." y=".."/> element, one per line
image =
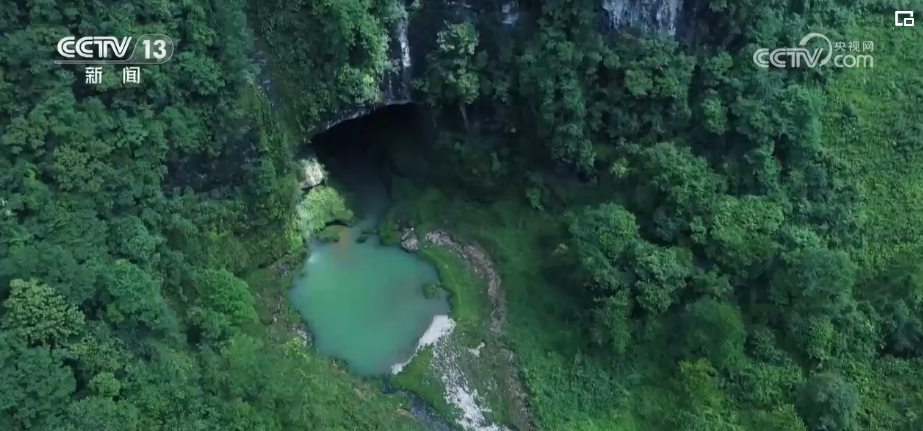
<point x="452" y="74"/>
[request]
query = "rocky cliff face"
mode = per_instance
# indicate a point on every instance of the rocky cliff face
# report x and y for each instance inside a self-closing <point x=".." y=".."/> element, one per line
<point x="395" y="85"/>
<point x="661" y="16"/>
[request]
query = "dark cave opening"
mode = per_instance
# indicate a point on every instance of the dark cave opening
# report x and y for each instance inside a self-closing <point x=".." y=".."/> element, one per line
<point x="371" y="139"/>
<point x="363" y="154"/>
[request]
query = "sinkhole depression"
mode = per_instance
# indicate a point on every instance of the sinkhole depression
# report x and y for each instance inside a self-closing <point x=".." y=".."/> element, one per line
<point x="362" y="301"/>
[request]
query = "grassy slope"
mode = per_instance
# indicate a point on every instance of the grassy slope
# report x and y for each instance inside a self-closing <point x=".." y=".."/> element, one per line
<point x="568" y="391"/>
<point x="468" y="298"/>
<point x="882" y="98"/>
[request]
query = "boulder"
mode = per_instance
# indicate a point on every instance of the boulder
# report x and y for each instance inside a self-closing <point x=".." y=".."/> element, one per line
<point x="312" y="172"/>
<point x="409" y="241"/>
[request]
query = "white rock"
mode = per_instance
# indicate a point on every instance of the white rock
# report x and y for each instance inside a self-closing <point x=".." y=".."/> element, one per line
<point x="439" y="328"/>
<point x="312" y="172"/>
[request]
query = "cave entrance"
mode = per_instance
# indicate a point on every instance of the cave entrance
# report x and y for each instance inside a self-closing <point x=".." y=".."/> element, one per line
<point x="359" y="154"/>
<point x="368" y="139"/>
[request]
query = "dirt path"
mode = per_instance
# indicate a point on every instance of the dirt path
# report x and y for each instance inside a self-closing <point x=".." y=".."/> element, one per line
<point x="483" y="266"/>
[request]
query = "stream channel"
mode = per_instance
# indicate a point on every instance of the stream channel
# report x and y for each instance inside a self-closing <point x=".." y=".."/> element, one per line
<point x="363" y="302"/>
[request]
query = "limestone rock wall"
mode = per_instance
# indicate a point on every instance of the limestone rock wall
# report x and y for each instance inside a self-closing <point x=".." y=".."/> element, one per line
<point x="662" y="16"/>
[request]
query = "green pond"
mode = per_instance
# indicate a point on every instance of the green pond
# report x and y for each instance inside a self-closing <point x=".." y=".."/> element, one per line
<point x="363" y="302"/>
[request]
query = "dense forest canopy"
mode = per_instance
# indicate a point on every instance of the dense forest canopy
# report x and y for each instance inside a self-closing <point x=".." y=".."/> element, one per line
<point x="729" y="247"/>
<point x="129" y="215"/>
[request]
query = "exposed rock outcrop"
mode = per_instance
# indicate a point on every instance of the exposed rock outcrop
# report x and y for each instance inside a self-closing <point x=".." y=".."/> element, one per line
<point x="312" y="172"/>
<point x="395" y="85"/>
<point x="660" y="16"/>
<point x="409" y="241"/>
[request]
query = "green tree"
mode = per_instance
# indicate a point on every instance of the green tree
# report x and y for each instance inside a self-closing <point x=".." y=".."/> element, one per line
<point x="614" y="325"/>
<point x="35" y="385"/>
<point x="813" y="294"/>
<point x="828" y="403"/>
<point x="703" y="404"/>
<point x="224" y="301"/>
<point x="899" y="299"/>
<point x="744" y="232"/>
<point x="782" y="418"/>
<point x="131" y="295"/>
<point x="452" y="75"/>
<point x="716" y="331"/>
<point x="603" y="238"/>
<point x="100" y="413"/>
<point x="628" y="274"/>
<point x="38" y="314"/>
<point x="676" y="188"/>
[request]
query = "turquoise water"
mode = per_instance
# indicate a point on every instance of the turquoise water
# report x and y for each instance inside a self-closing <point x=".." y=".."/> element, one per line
<point x="363" y="302"/>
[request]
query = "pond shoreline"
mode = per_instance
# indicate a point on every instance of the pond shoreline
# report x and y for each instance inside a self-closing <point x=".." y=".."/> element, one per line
<point x="506" y="379"/>
<point x="463" y="361"/>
